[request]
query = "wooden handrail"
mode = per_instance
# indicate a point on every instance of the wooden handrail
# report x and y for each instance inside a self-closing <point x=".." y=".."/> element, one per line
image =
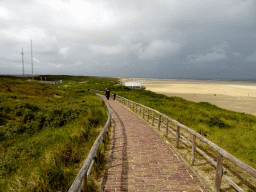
<point x="81" y="178"/>
<point x="221" y="152"/>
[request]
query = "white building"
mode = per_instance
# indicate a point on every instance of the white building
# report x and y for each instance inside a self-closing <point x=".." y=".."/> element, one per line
<point x="133" y="85"/>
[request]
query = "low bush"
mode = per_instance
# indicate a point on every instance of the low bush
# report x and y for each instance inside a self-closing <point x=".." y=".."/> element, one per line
<point x="218" y="122"/>
<point x="28" y="115"/>
<point x="22" y="107"/>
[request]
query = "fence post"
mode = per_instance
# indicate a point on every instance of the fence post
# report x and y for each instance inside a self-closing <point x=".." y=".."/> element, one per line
<point x="177" y="136"/>
<point x="84" y="183"/>
<point x="140" y="109"/>
<point x="136" y="107"/>
<point x="218" y="173"/>
<point x="153" y="118"/>
<point x="143" y="112"/>
<point x="193" y="150"/>
<point x="167" y="131"/>
<point x="159" y="122"/>
<point x="148" y="115"/>
<point x="104" y="139"/>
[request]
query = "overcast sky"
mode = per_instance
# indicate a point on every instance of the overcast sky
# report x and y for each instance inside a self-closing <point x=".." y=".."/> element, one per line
<point x="131" y="38"/>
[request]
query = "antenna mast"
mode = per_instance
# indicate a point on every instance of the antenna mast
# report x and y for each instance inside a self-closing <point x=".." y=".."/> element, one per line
<point x="22" y="53"/>
<point x="32" y="60"/>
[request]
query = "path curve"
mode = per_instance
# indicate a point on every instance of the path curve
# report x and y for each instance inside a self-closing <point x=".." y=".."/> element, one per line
<point x="141" y="160"/>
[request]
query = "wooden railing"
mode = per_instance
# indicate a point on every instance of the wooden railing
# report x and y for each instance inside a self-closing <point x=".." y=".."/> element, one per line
<point x="174" y="127"/>
<point x="80" y="182"/>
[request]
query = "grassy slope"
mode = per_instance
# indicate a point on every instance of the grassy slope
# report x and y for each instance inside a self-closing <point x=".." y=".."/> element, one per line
<point x="235" y="132"/>
<point x="44" y="139"/>
<point x="54" y="149"/>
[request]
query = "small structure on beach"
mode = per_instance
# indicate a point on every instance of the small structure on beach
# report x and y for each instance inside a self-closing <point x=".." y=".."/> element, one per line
<point x="133" y="85"/>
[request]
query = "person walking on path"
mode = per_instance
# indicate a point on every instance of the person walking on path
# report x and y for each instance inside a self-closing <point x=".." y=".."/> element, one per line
<point x="107" y="91"/>
<point x="114" y="96"/>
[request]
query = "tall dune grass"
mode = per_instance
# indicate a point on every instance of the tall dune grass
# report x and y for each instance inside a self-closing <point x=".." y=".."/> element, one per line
<point x="45" y="139"/>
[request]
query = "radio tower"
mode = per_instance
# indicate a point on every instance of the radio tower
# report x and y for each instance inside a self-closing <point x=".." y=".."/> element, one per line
<point x="32" y="60"/>
<point x="22" y="62"/>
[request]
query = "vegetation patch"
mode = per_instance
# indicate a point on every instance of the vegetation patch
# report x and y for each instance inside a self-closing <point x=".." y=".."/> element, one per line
<point x="44" y="139"/>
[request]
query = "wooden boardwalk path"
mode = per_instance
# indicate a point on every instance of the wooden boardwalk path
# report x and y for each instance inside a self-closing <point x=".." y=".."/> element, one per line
<point x="141" y="160"/>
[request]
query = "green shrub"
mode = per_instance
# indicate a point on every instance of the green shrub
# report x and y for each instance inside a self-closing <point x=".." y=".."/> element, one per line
<point x="33" y="127"/>
<point x="11" y="130"/>
<point x="19" y="128"/>
<point x="216" y="121"/>
<point x="41" y="119"/>
<point x="12" y="97"/>
<point x="28" y="115"/>
<point x="5" y="109"/>
<point x="61" y="116"/>
<point x="8" y="164"/>
<point x="20" y="108"/>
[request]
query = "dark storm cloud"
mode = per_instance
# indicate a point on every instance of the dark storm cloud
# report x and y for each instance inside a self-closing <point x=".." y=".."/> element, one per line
<point x="130" y="38"/>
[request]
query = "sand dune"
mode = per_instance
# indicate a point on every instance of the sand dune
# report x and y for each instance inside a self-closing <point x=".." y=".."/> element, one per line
<point x="235" y="96"/>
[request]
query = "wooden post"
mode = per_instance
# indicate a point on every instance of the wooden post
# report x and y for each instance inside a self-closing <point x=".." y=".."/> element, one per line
<point x="136" y="107"/>
<point x="140" y="109"/>
<point x="104" y="139"/>
<point x="167" y="131"/>
<point x="218" y="173"/>
<point x="143" y="112"/>
<point x="84" y="183"/>
<point x="153" y="118"/>
<point x="159" y="122"/>
<point x="177" y="136"/>
<point x="148" y="115"/>
<point x="193" y="150"/>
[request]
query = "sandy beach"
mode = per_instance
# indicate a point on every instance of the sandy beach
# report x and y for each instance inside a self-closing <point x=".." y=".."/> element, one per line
<point x="235" y="96"/>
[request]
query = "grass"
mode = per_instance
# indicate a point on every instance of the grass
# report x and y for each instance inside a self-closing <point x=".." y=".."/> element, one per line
<point x="44" y="139"/>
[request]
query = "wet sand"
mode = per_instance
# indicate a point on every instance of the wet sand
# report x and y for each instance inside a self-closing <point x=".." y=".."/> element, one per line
<point x="235" y="96"/>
